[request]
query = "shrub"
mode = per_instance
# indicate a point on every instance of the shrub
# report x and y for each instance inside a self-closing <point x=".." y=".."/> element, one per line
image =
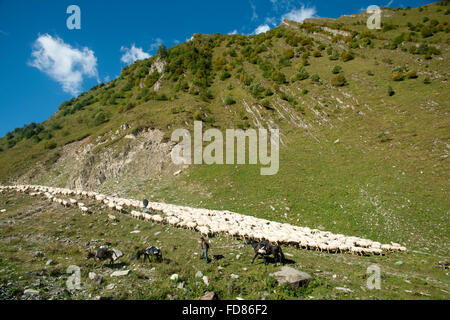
<point x="50" y="145"/>
<point x="339" y="80"/>
<point x="411" y="74"/>
<point x="391" y="91"/>
<point x="198" y="115"/>
<point x="426" y="32"/>
<point x="334" y="56"/>
<point x="315" y="78"/>
<point x="337" y="69"/>
<point x="100" y="118"/>
<point x="426" y="80"/>
<point x="305" y="91"/>
<point x="225" y="75"/>
<point x="229" y="100"/>
<point x="370" y="73"/>
<point x="266" y="104"/>
<point x="397" y="76"/>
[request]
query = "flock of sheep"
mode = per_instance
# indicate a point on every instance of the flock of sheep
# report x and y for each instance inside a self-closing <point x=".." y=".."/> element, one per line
<point x="210" y="222"/>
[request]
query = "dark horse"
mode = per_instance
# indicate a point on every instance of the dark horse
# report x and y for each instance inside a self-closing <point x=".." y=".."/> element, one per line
<point x="149" y="252"/>
<point x="101" y="254"/>
<point x="265" y="248"/>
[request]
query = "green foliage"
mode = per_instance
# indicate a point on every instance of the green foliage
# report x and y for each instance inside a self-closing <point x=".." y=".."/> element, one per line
<point x="225" y="75"/>
<point x="334" y="56"/>
<point x="315" y="78"/>
<point x="426" y="80"/>
<point x="229" y="100"/>
<point x="302" y="74"/>
<point x="50" y="145"/>
<point x="347" y="56"/>
<point x="426" y="31"/>
<point x="397" y="76"/>
<point x="390" y="91"/>
<point x="411" y="74"/>
<point x="100" y="118"/>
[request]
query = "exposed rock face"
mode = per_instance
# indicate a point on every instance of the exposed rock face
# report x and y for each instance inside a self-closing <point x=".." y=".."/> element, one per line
<point x="292" y="276"/>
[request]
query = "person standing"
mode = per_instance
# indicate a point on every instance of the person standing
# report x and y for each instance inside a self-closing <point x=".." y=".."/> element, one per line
<point x="205" y="246"/>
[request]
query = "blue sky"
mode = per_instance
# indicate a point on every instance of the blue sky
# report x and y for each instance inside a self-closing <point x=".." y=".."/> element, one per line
<point x="43" y="63"/>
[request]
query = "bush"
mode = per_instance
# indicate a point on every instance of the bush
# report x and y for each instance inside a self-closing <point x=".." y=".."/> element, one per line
<point x="229" y="100"/>
<point x="347" y="56"/>
<point x="411" y="74"/>
<point x="426" y="32"/>
<point x="225" y="75"/>
<point x="337" y="69"/>
<point x="426" y="80"/>
<point x="397" y="76"/>
<point x="315" y="78"/>
<point x="391" y="91"/>
<point x="266" y="104"/>
<point x="334" y="56"/>
<point x="100" y="118"/>
<point x="339" y="80"/>
<point x="370" y="73"/>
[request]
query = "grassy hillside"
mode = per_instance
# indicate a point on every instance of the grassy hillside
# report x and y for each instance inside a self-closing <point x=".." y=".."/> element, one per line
<point x="363" y="115"/>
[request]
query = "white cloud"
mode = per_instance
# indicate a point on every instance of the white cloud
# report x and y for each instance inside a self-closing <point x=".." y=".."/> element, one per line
<point x="63" y="63"/>
<point x="298" y="15"/>
<point x="261" y="29"/>
<point x="233" y="32"/>
<point x="132" y="54"/>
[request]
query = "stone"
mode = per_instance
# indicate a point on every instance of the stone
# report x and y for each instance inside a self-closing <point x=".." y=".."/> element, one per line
<point x="209" y="296"/>
<point x="399" y="263"/>
<point x="346" y="290"/>
<point x="293" y="277"/>
<point x="174" y="277"/>
<point x="238" y="256"/>
<point x="180" y="285"/>
<point x="110" y="286"/>
<point x="31" y="292"/>
<point x="135" y="231"/>
<point x="199" y="274"/>
<point x="97" y="278"/>
<point x="49" y="262"/>
<point x="234" y="276"/>
<point x="117" y="254"/>
<point x="120" y="273"/>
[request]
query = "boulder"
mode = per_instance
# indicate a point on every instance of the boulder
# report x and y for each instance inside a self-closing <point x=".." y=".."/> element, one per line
<point x="293" y="277"/>
<point x="199" y="274"/>
<point x="117" y="254"/>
